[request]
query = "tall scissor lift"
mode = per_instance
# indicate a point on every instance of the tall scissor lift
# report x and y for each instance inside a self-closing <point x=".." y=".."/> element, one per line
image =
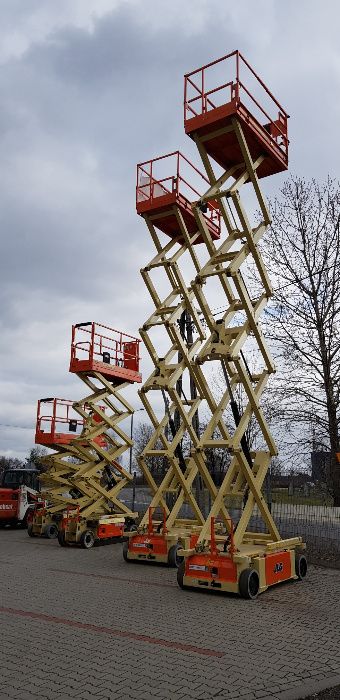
<point x="240" y="131"/>
<point x="175" y="516"/>
<point x="239" y="142"/>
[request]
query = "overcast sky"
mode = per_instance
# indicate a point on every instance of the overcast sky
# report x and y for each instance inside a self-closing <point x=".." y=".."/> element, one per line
<point x="88" y="88"/>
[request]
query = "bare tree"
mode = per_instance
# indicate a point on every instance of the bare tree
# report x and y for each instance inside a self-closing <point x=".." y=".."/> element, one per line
<point x="217" y="458"/>
<point x="302" y="253"/>
<point x="9" y="463"/>
<point x="142" y="434"/>
<point x="34" y="458"/>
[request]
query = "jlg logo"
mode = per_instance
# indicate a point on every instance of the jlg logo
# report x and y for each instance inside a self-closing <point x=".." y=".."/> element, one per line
<point x="278" y="568"/>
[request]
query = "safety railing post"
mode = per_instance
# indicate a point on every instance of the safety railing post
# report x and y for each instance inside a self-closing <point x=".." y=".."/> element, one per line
<point x="92" y="348"/>
<point x="54" y="412"/>
<point x="203" y="96"/>
<point x="237" y="76"/>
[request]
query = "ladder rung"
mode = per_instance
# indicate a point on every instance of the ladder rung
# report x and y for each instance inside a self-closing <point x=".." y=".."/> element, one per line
<point x="159" y="263"/>
<point x="166" y="310"/>
<point x="151" y="324"/>
<point x="216" y="443"/>
<point x="233" y="331"/>
<point x="224" y="257"/>
<point x="263" y="536"/>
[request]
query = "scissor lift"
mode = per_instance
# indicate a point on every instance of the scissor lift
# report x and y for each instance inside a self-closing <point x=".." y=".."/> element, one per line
<point x="107" y="361"/>
<point x="164" y="190"/>
<point x="56" y="426"/>
<point x="231" y="128"/>
<point x="247" y="141"/>
<point x="85" y="476"/>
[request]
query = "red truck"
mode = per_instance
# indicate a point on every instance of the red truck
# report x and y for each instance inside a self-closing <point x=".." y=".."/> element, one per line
<point x="19" y="491"/>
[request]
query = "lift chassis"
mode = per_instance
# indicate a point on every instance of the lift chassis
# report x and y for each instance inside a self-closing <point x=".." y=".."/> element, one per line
<point x="87" y="532"/>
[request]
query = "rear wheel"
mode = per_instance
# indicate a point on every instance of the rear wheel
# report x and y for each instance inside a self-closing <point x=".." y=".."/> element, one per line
<point x="173" y="559"/>
<point x="300" y="566"/>
<point x="30" y="531"/>
<point x="50" y="531"/>
<point x="87" y="539"/>
<point x="125" y="552"/>
<point x="249" y="584"/>
<point x="62" y="539"/>
<point x="180" y="575"/>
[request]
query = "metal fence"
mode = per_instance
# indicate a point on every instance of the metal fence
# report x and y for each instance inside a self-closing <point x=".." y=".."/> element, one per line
<point x="318" y="525"/>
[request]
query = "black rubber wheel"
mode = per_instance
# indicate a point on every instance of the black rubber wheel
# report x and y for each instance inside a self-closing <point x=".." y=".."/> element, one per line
<point x="300" y="566"/>
<point x="87" y="539"/>
<point x="173" y="559"/>
<point x="249" y="584"/>
<point x="125" y="552"/>
<point x="180" y="575"/>
<point x="30" y="530"/>
<point x="61" y="538"/>
<point x="50" y="531"/>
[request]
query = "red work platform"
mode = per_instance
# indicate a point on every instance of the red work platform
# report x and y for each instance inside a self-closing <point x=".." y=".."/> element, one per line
<point x="167" y="181"/>
<point x="229" y="88"/>
<point x="57" y="422"/>
<point x="98" y="348"/>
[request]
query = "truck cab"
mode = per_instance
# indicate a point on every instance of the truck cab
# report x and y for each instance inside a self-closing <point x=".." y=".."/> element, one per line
<point x="19" y="491"/>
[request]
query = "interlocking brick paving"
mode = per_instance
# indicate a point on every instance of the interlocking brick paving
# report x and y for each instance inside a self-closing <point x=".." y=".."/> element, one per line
<point x="331" y="694"/>
<point x="86" y="625"/>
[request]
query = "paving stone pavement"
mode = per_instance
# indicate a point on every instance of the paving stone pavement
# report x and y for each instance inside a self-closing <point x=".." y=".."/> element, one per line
<point x="86" y="625"/>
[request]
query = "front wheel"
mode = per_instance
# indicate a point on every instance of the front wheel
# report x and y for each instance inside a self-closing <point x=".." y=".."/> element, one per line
<point x="51" y="531"/>
<point x="62" y="539"/>
<point x="300" y="566"/>
<point x="173" y="559"/>
<point x="249" y="584"/>
<point x="87" y="539"/>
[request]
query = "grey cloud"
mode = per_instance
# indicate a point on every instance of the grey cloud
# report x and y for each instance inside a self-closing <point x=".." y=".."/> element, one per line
<point x="79" y="110"/>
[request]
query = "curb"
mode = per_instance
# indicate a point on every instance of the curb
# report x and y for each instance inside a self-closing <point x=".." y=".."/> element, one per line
<point x="308" y="688"/>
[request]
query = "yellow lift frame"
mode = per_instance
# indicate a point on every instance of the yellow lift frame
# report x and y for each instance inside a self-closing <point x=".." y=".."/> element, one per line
<point x="217" y="553"/>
